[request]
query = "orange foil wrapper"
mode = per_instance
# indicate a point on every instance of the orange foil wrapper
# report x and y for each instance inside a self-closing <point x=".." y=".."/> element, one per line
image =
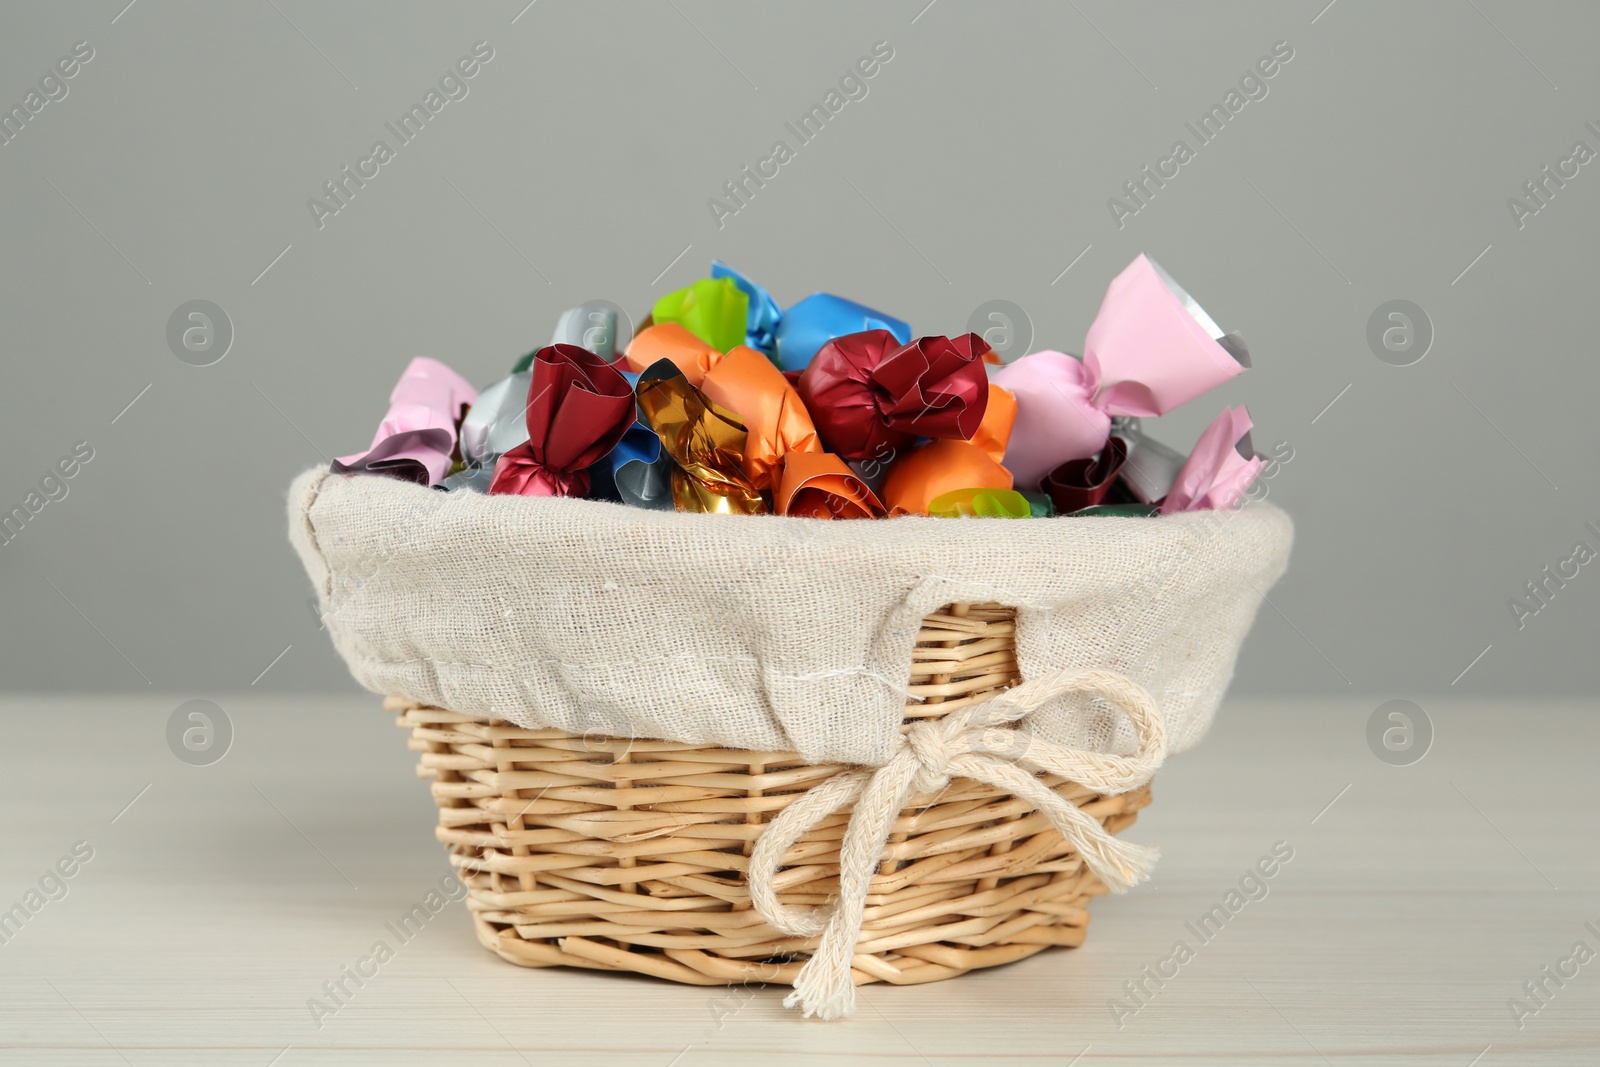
<point x="939" y="467"/>
<point x="994" y="432"/>
<point x="748" y="384"/>
<point x="706" y="440"/>
<point x="668" y="340"/>
<point x="818" y="485"/>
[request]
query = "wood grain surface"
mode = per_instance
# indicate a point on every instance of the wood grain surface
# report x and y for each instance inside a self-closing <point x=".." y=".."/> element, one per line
<point x="1417" y="903"/>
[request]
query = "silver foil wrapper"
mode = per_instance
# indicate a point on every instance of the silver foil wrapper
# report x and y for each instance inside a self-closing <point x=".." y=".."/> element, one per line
<point x="1231" y="343"/>
<point x="647" y="485"/>
<point x="498" y="422"/>
<point x="599" y="326"/>
<point x="1152" y="467"/>
<point x="473" y="479"/>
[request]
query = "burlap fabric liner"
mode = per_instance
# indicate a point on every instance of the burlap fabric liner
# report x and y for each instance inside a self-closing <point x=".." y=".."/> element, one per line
<point x="761" y="632"/>
<point x="791" y="634"/>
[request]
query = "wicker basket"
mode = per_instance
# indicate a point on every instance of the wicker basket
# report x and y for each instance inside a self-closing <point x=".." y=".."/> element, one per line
<point x="631" y="855"/>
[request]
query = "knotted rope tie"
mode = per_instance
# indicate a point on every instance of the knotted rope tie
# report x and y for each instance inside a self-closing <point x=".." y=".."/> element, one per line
<point x="975" y="743"/>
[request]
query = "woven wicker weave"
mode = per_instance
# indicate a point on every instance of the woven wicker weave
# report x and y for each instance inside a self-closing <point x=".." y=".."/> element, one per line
<point x="630" y="855"/>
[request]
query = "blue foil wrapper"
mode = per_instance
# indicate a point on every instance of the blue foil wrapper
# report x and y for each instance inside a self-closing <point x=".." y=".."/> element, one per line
<point x="761" y="322"/>
<point x="821" y="317"/>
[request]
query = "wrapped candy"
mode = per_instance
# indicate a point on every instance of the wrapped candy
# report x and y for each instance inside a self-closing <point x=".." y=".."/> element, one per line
<point x="597" y="326"/>
<point x="981" y="504"/>
<point x="1221" y="468"/>
<point x="706" y="442"/>
<point x="578" y="408"/>
<point x="1151" y="468"/>
<point x="746" y="383"/>
<point x="818" y="485"/>
<point x="498" y="420"/>
<point x="1083" y="483"/>
<point x="999" y="418"/>
<point x="1124" y="511"/>
<point x="416" y="441"/>
<point x="471" y="479"/>
<point x="1150" y="349"/>
<point x="939" y="467"/>
<point x="670" y="340"/>
<point x="821" y="317"/>
<point x="915" y="480"/>
<point x="832" y="410"/>
<point x="1040" y="504"/>
<point x="713" y="309"/>
<point x="867" y="392"/>
<point x="637" y="472"/>
<point x="761" y="318"/>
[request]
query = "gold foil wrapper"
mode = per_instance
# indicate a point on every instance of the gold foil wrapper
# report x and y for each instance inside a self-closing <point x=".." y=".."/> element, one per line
<point x="705" y="440"/>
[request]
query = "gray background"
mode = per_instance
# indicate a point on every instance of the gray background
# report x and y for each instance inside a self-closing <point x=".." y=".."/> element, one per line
<point x="978" y="167"/>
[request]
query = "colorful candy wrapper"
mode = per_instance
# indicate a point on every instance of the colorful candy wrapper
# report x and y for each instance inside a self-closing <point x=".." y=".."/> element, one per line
<point x="1040" y="504"/>
<point x="713" y="309"/>
<point x="596" y="326"/>
<point x="670" y="340"/>
<point x="821" y="317"/>
<point x="1083" y="483"/>
<point x="646" y="483"/>
<point x="867" y="393"/>
<point x="1150" y="349"/>
<point x="1152" y="467"/>
<point x="706" y="441"/>
<point x="471" y="479"/>
<point x="746" y="383"/>
<point x="498" y="421"/>
<point x="990" y="438"/>
<point x="981" y="504"/>
<point x="999" y="418"/>
<point x="1220" y="469"/>
<point x="937" y="468"/>
<point x="416" y="441"/>
<point x="762" y="316"/>
<point x="818" y="485"/>
<point x="637" y="472"/>
<point x="578" y="408"/>
<point x="1124" y="511"/>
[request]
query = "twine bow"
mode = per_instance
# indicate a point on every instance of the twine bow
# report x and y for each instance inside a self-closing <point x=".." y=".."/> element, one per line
<point x="973" y="742"/>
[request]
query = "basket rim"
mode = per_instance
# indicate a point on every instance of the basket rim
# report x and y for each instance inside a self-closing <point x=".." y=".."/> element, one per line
<point x="582" y="509"/>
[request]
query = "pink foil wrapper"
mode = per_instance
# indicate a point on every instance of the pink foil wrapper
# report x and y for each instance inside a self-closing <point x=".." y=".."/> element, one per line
<point x="1221" y="468"/>
<point x="415" y="440"/>
<point x="1151" y="348"/>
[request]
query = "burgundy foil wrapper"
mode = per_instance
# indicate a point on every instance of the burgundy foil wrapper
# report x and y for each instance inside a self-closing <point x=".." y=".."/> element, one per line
<point x="579" y="406"/>
<point x="1083" y="483"/>
<point x="870" y="395"/>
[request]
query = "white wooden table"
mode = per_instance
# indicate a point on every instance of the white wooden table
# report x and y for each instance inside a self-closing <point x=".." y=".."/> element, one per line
<point x="1416" y="905"/>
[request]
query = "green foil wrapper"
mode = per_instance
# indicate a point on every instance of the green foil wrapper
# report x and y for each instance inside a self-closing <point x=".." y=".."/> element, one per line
<point x="1133" y="511"/>
<point x="1043" y="507"/>
<point x="981" y="504"/>
<point x="713" y="309"/>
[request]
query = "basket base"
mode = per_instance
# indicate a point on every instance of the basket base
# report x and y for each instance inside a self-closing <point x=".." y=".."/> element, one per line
<point x="974" y="878"/>
<point x="631" y="855"/>
<point x="930" y="961"/>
